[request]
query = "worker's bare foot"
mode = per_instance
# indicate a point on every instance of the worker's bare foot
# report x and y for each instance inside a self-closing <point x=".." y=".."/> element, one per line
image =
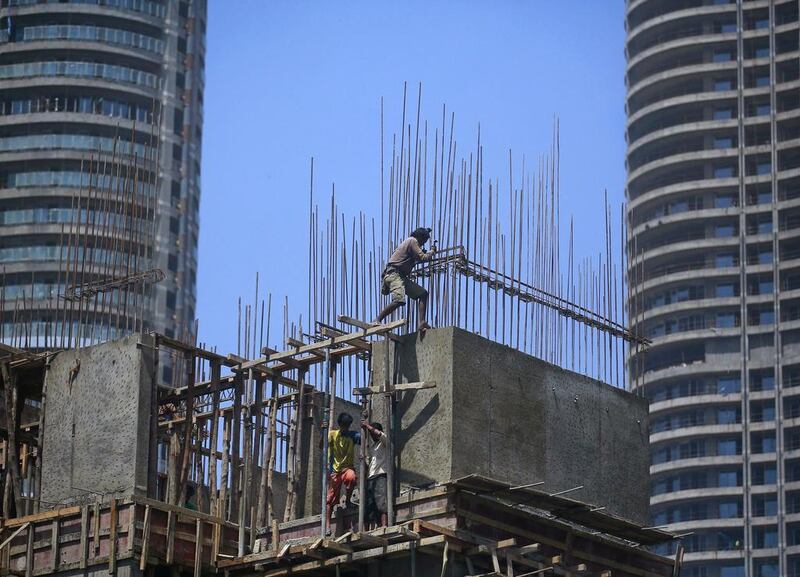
<point x="423" y="326"/>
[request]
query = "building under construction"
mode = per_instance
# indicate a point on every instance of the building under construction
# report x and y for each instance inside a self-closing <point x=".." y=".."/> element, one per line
<point x="509" y="452"/>
<point x="546" y="475"/>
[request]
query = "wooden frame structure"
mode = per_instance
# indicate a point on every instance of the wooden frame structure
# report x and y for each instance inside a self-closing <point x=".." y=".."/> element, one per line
<point x="460" y="528"/>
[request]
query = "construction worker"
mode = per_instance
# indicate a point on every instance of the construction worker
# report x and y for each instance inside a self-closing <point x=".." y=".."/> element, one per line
<point x="396" y="281"/>
<point x="341" y="456"/>
<point x="377" y="458"/>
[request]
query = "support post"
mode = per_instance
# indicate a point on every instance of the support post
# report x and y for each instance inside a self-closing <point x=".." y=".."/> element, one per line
<point x="362" y="470"/>
<point x="390" y="410"/>
<point x="214" y="507"/>
<point x="12" y="423"/>
<point x="324" y="432"/>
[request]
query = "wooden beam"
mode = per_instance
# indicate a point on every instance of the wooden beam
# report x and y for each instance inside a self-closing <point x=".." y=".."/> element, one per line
<point x="198" y="548"/>
<point x="170" y="556"/>
<point x="54" y="545"/>
<point x="362" y="325"/>
<point x="321" y="345"/>
<point x="396" y="388"/>
<point x="145" y="538"/>
<point x="112" y="538"/>
<point x="327" y="331"/>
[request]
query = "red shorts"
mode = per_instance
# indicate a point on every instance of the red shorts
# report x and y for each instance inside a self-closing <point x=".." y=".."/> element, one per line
<point x="335" y="482"/>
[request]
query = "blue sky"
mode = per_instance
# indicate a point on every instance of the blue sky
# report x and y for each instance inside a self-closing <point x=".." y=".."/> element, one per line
<point x="288" y="80"/>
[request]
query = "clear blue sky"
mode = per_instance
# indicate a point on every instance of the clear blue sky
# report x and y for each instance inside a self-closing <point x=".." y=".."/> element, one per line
<point x="290" y="79"/>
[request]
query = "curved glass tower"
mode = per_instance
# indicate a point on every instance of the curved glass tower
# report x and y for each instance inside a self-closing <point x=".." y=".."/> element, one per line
<point x="76" y="76"/>
<point x="713" y="189"/>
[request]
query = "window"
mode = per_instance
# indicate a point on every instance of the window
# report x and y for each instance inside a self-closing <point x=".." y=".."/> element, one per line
<point x="172" y="263"/>
<point x="727" y="448"/>
<point x="727" y="385"/>
<point x="726" y="417"/>
<point x="171" y="300"/>
<point x="763" y="168"/>
<point x="723" y="114"/>
<point x="723" y="142"/>
<point x="723" y="260"/>
<point x="723" y="230"/>
<point x="762" y="81"/>
<point x="765" y="257"/>
<point x="762" y="52"/>
<point x="724" y="290"/>
<point x="766" y="317"/>
<point x="723" y="172"/>
<point x="725" y="200"/>
<point x="765" y="505"/>
<point x="760" y="24"/>
<point x="177" y="124"/>
<point x="762" y="109"/>
<point x="723" y="55"/>
<point x="728" y="479"/>
<point x="723" y="85"/>
<point x="728" y="510"/>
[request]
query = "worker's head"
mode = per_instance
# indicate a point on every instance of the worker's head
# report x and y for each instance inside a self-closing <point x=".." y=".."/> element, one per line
<point x="422" y="235"/>
<point x="344" y="421"/>
<point x="377" y="426"/>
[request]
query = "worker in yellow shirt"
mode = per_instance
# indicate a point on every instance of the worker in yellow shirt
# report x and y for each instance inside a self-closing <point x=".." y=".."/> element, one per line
<point x="341" y="456"/>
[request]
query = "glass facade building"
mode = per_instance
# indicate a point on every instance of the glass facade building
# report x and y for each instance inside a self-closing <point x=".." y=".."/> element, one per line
<point x="713" y="191"/>
<point x="76" y="76"/>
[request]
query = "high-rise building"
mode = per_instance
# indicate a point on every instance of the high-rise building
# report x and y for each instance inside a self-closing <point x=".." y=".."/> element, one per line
<point x="76" y="77"/>
<point x="713" y="190"/>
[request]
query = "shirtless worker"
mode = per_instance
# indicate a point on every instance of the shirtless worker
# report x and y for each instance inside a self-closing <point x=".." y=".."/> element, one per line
<point x="396" y="281"/>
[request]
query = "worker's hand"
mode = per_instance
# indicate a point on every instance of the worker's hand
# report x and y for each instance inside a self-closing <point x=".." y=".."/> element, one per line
<point x="365" y="425"/>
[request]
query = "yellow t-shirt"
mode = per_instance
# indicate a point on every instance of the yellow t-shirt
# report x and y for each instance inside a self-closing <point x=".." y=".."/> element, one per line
<point x="341" y="449"/>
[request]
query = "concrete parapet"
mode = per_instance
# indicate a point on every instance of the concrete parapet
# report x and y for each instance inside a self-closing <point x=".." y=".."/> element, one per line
<point x="504" y="414"/>
<point x="97" y="418"/>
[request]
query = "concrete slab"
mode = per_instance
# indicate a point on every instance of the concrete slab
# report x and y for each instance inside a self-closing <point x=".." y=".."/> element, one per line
<point x="509" y="416"/>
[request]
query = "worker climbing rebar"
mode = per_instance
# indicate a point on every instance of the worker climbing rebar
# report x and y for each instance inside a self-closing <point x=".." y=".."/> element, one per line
<point x="396" y="276"/>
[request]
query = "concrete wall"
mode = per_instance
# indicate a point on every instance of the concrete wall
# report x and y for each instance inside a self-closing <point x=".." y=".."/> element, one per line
<point x="501" y="413"/>
<point x="97" y="423"/>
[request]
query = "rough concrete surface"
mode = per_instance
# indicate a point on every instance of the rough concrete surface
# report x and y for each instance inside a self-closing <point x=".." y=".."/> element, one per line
<point x="504" y="414"/>
<point x="97" y="422"/>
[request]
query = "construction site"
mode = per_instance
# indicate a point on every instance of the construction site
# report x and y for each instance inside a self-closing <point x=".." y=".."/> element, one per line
<point x="514" y="447"/>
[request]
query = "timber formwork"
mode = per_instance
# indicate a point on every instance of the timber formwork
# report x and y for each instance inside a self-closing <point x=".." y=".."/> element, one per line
<point x="470" y="526"/>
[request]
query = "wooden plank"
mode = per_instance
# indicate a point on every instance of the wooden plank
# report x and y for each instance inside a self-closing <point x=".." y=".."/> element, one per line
<point x="145" y="538"/>
<point x="112" y="538"/>
<point x="355" y="556"/>
<point x="54" y="545"/>
<point x="182" y="511"/>
<point x="29" y="551"/>
<point x="590" y="557"/>
<point x="362" y="325"/>
<point x="19" y="530"/>
<point x="332" y="332"/>
<point x="39" y="517"/>
<point x="170" y="556"/>
<point x="198" y="547"/>
<point x="330" y="342"/>
<point x="96" y="521"/>
<point x="84" y="554"/>
<point x="398" y="387"/>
